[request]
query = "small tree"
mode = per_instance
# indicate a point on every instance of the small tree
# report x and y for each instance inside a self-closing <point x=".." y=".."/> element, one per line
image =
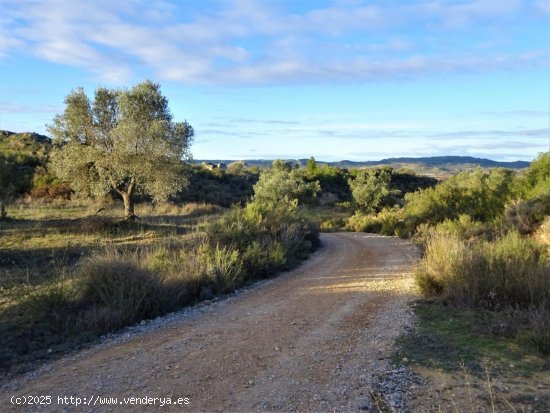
<point x="8" y="172"/>
<point x="311" y="167"/>
<point x="125" y="140"/>
<point x="370" y="188"/>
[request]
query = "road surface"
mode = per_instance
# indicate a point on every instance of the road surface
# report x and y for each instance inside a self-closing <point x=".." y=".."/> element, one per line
<point x="314" y="339"/>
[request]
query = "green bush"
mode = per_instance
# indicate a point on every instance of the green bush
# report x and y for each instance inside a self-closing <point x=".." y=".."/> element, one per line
<point x="465" y="228"/>
<point x="283" y="188"/>
<point x="534" y="182"/>
<point x="370" y="189"/>
<point x="386" y="222"/>
<point x="361" y="222"/>
<point x="481" y="195"/>
<point x="332" y="225"/>
<point x="266" y="241"/>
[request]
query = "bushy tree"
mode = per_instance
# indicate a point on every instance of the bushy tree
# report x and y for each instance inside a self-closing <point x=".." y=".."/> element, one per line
<point x="282" y="187"/>
<point x="370" y="188"/>
<point x="125" y="139"/>
<point x="479" y="194"/>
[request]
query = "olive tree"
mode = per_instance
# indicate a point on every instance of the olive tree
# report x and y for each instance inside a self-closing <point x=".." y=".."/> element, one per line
<point x="282" y="187"/>
<point x="125" y="139"/>
<point x="370" y="188"/>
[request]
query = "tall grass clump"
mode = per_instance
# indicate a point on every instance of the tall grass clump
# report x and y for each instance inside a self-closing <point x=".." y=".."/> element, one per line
<point x="510" y="272"/>
<point x="124" y="289"/>
<point x="222" y="270"/>
<point x="385" y="222"/>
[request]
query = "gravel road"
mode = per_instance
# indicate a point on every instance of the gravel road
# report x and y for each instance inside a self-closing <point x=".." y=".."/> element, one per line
<point x="314" y="339"/>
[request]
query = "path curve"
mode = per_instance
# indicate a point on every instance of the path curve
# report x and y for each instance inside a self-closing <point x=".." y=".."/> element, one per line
<point x="314" y="339"/>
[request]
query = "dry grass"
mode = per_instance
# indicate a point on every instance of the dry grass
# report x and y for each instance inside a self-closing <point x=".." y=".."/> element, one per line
<point x="66" y="281"/>
<point x="510" y="272"/>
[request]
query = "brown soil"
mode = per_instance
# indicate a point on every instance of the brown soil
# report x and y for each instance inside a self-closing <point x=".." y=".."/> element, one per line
<point x="314" y="339"/>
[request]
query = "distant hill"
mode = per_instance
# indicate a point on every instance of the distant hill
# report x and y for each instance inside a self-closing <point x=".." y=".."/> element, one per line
<point x="451" y="160"/>
<point x="38" y="146"/>
<point x="26" y="144"/>
<point x="436" y="165"/>
<point x="31" y="152"/>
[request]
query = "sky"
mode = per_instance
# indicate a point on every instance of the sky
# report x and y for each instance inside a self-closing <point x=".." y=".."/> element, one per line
<point x="341" y="79"/>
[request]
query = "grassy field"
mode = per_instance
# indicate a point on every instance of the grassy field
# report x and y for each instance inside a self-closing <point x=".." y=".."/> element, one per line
<point x="41" y="238"/>
<point x="42" y="248"/>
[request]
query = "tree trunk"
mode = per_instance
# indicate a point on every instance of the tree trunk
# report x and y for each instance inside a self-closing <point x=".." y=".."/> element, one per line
<point x="3" y="212"/>
<point x="128" y="206"/>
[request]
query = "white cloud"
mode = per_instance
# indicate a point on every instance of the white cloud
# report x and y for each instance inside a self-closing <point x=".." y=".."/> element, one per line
<point x="252" y="42"/>
<point x="22" y="108"/>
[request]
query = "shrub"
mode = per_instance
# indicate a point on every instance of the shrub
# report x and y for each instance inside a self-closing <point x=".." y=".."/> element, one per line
<point x="526" y="215"/>
<point x="509" y="272"/>
<point x="223" y="271"/>
<point x="386" y="222"/>
<point x="332" y="225"/>
<point x="534" y="182"/>
<point x="50" y="192"/>
<point x="120" y="285"/>
<point x="479" y="194"/>
<point x="267" y="241"/>
<point x="283" y="187"/>
<point x="465" y="228"/>
<point x="361" y="222"/>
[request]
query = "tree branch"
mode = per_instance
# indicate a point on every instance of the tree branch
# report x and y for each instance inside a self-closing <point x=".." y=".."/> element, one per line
<point x="131" y="186"/>
<point x="114" y="185"/>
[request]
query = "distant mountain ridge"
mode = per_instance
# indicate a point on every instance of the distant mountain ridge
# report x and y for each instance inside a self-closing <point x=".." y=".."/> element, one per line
<point x="447" y="160"/>
<point x="34" y="143"/>
<point x="31" y="135"/>
<point x="441" y="162"/>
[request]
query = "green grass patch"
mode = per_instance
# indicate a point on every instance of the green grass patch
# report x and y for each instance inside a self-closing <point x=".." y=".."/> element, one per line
<point x="446" y="337"/>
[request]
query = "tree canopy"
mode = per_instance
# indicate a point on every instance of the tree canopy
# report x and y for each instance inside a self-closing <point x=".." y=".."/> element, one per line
<point x="370" y="187"/>
<point x="125" y="140"/>
<point x="536" y="180"/>
<point x="282" y="187"/>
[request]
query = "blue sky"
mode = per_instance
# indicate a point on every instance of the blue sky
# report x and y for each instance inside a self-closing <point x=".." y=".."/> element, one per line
<point x="342" y="79"/>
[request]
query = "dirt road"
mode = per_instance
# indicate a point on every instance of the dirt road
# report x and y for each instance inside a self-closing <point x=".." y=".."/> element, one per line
<point x="314" y="339"/>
